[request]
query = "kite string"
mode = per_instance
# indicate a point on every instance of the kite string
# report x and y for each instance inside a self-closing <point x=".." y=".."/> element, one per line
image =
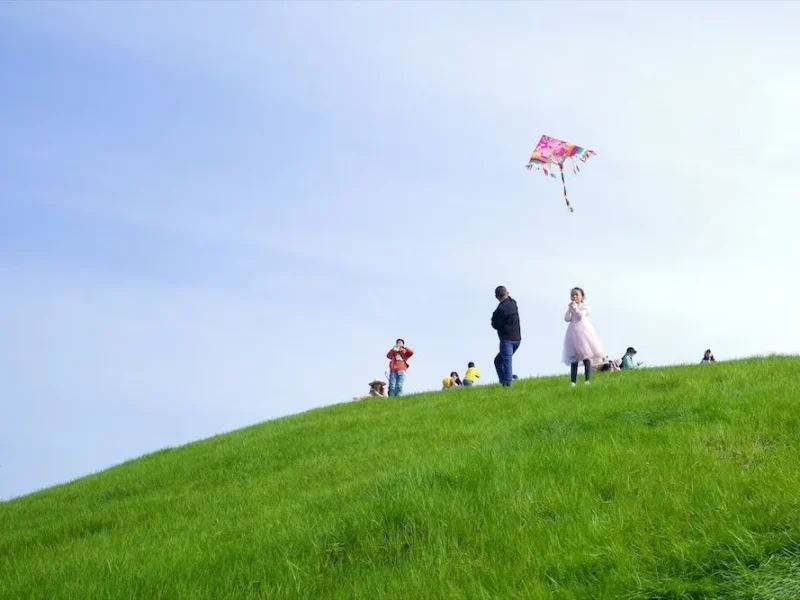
<point x="564" y="183"/>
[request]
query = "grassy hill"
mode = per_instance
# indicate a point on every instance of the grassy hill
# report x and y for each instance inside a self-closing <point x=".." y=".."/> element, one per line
<point x="664" y="483"/>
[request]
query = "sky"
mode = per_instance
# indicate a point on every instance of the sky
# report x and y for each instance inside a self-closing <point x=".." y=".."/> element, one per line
<point x="219" y="214"/>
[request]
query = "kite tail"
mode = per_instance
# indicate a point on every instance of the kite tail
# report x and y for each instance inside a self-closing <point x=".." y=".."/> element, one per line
<point x="564" y="183"/>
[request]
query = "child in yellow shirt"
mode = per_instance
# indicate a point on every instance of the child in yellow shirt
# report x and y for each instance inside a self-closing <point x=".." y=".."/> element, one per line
<point x="471" y="375"/>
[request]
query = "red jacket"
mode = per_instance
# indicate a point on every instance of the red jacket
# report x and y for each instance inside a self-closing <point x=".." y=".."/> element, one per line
<point x="397" y="360"/>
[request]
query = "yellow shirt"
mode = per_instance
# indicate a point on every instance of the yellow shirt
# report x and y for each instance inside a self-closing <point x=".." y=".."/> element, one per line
<point x="472" y="374"/>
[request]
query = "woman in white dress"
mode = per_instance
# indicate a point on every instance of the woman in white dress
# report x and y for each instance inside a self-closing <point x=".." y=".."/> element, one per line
<point x="580" y="341"/>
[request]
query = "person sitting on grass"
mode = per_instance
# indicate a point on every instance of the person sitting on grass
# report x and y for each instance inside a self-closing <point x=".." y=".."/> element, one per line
<point x="627" y="360"/>
<point x="377" y="389"/>
<point x="708" y="357"/>
<point x="471" y="375"/>
<point x="606" y="364"/>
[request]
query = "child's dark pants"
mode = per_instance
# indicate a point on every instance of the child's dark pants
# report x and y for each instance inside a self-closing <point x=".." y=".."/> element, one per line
<point x="587" y="370"/>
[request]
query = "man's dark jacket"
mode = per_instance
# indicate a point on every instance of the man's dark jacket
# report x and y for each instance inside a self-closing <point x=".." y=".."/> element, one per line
<point x="505" y="320"/>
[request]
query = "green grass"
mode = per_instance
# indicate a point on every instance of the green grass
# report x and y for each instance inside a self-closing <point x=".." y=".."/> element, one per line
<point x="673" y="483"/>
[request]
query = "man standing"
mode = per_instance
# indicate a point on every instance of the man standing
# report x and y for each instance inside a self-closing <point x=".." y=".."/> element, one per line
<point x="398" y="363"/>
<point x="505" y="320"/>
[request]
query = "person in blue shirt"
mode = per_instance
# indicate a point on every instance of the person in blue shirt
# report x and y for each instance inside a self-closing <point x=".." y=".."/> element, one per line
<point x="627" y="360"/>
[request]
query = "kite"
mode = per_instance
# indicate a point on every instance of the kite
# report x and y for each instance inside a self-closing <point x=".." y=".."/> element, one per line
<point x="550" y="151"/>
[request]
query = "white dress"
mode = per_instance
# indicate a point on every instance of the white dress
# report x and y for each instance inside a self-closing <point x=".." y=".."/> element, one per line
<point x="580" y="341"/>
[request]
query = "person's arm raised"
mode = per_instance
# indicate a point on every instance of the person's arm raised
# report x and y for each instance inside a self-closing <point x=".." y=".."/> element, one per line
<point x="581" y="311"/>
<point x="570" y="312"/>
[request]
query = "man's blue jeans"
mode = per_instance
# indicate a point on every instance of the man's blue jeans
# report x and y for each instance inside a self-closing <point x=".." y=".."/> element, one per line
<point x="396" y="379"/>
<point x="502" y="362"/>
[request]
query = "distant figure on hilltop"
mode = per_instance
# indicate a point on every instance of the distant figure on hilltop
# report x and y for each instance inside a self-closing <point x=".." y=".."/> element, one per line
<point x="471" y="374"/>
<point x="453" y="381"/>
<point x="505" y="320"/>
<point x="398" y="357"/>
<point x="708" y="357"/>
<point x="627" y="360"/>
<point x="607" y="364"/>
<point x="580" y="340"/>
<point x="377" y="389"/>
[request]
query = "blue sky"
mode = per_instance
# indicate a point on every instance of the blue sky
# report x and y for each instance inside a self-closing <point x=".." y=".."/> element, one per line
<point x="215" y="215"/>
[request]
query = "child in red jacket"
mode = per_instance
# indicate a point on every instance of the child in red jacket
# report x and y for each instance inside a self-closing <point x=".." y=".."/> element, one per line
<point x="398" y="363"/>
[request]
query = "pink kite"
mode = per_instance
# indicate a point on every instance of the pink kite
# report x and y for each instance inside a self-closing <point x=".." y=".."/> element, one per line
<point x="550" y="151"/>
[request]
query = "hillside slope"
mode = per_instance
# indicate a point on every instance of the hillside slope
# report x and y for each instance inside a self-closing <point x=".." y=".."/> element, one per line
<point x="664" y="483"/>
